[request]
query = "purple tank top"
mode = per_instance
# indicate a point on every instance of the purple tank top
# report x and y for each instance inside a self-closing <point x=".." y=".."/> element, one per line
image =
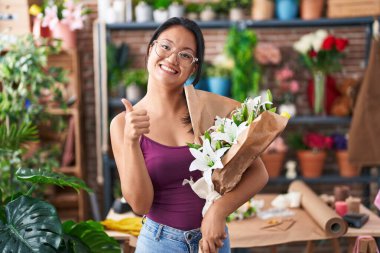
<point x="174" y="204"/>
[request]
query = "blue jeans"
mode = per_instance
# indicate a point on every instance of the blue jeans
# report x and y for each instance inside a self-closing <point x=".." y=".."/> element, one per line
<point x="159" y="238"/>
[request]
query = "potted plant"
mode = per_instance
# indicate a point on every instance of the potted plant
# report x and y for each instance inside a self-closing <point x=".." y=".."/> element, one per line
<point x="176" y="9"/>
<point x="311" y="152"/>
<point x="208" y="11"/>
<point x="288" y="88"/>
<point x="192" y="11"/>
<point x="311" y="9"/>
<point x="273" y="157"/>
<point x="29" y="224"/>
<point x="262" y="9"/>
<point x="63" y="18"/>
<point x="143" y="12"/>
<point x="346" y="169"/>
<point x="236" y="8"/>
<point x="161" y="12"/>
<point x="287" y="9"/>
<point x="218" y="79"/>
<point x="135" y="81"/>
<point x="219" y="75"/>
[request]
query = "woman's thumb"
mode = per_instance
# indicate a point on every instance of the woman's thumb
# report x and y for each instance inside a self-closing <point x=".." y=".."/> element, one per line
<point x="127" y="104"/>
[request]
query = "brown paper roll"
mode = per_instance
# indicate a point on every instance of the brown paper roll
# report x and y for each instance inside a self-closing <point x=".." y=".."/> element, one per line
<point x="323" y="215"/>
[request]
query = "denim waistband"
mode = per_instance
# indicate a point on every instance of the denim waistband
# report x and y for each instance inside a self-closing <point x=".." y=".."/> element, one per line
<point x="161" y="230"/>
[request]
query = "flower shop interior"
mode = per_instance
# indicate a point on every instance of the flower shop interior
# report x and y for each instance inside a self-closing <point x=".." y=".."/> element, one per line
<point x="66" y="64"/>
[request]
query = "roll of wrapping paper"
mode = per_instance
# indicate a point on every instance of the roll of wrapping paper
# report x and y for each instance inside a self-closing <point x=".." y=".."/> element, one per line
<point x="324" y="216"/>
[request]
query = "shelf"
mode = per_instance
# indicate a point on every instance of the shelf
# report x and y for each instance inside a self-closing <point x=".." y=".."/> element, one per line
<point x="71" y="170"/>
<point x="274" y="23"/>
<point x="115" y="103"/>
<point x="331" y="179"/>
<point x="320" y="120"/>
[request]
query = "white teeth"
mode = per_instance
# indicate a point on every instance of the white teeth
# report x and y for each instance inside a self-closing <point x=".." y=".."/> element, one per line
<point x="168" y="69"/>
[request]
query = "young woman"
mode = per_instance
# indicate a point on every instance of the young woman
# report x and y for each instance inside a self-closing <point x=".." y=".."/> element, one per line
<point x="149" y="145"/>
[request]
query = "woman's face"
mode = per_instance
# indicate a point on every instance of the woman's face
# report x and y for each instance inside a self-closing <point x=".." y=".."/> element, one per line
<point x="172" y="56"/>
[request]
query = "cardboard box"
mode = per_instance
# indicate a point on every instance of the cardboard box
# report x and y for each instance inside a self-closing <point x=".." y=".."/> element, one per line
<point x="14" y="16"/>
<point x="353" y="8"/>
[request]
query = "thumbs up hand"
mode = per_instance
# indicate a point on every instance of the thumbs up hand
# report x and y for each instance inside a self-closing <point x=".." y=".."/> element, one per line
<point x="136" y="122"/>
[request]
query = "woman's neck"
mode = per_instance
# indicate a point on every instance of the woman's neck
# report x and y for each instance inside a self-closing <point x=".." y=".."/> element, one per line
<point x="164" y="100"/>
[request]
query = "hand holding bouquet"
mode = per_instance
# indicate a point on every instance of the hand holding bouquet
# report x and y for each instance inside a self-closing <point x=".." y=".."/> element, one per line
<point x="231" y="145"/>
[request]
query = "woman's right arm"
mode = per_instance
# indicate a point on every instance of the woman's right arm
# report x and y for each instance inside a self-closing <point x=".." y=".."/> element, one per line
<point x="126" y="130"/>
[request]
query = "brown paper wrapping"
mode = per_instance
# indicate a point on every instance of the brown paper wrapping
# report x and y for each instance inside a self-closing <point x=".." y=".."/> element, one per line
<point x="204" y="107"/>
<point x="323" y="215"/>
<point x="251" y="143"/>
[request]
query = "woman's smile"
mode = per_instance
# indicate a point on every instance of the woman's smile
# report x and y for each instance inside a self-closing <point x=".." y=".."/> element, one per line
<point x="167" y="69"/>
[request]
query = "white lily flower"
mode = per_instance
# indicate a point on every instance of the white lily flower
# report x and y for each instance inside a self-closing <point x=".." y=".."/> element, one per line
<point x="231" y="132"/>
<point x="206" y="158"/>
<point x="219" y="122"/>
<point x="255" y="105"/>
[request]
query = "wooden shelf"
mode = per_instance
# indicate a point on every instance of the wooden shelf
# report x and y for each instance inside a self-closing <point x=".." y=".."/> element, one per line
<point x="320" y="120"/>
<point x="70" y="170"/>
<point x="330" y="179"/>
<point x="68" y="202"/>
<point x="65" y="200"/>
<point x="274" y="23"/>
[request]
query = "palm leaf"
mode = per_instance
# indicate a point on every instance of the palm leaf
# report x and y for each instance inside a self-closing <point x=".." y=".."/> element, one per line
<point x="31" y="225"/>
<point x="87" y="236"/>
<point x="12" y="138"/>
<point x="38" y="176"/>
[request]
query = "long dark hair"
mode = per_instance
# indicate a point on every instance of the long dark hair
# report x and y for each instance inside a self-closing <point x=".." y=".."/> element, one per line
<point x="192" y="27"/>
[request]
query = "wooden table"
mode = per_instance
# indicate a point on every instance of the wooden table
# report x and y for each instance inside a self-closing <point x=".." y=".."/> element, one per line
<point x="372" y="227"/>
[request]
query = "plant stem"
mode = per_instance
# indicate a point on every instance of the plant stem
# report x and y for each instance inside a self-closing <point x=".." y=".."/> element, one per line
<point x="30" y="191"/>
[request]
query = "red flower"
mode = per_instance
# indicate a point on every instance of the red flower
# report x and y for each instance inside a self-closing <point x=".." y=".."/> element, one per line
<point x="341" y="44"/>
<point x="312" y="53"/>
<point x="317" y="141"/>
<point x="328" y="43"/>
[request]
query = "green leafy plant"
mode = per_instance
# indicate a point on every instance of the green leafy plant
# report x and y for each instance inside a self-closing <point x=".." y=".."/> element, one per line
<point x="29" y="224"/>
<point x="192" y="8"/>
<point x="135" y="76"/>
<point x="24" y="75"/>
<point x="179" y="2"/>
<point x="236" y="3"/>
<point x="117" y="63"/>
<point x="218" y="71"/>
<point x="161" y="4"/>
<point x="246" y="72"/>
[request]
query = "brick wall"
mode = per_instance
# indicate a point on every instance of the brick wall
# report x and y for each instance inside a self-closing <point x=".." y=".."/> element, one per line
<point x="353" y="66"/>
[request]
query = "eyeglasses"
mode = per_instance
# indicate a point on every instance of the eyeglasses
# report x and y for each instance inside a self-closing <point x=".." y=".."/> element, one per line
<point x="165" y="49"/>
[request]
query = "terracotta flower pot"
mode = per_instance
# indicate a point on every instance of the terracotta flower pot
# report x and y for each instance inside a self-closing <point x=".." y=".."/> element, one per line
<point x="273" y="162"/>
<point x="311" y="9"/>
<point x="346" y="169"/>
<point x="262" y="9"/>
<point x="311" y="162"/>
<point x="68" y="37"/>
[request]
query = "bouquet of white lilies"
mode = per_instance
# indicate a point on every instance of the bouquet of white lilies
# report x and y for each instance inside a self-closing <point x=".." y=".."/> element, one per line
<point x="231" y="144"/>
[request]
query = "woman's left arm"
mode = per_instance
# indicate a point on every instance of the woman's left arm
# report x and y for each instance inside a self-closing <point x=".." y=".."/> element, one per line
<point x="214" y="221"/>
